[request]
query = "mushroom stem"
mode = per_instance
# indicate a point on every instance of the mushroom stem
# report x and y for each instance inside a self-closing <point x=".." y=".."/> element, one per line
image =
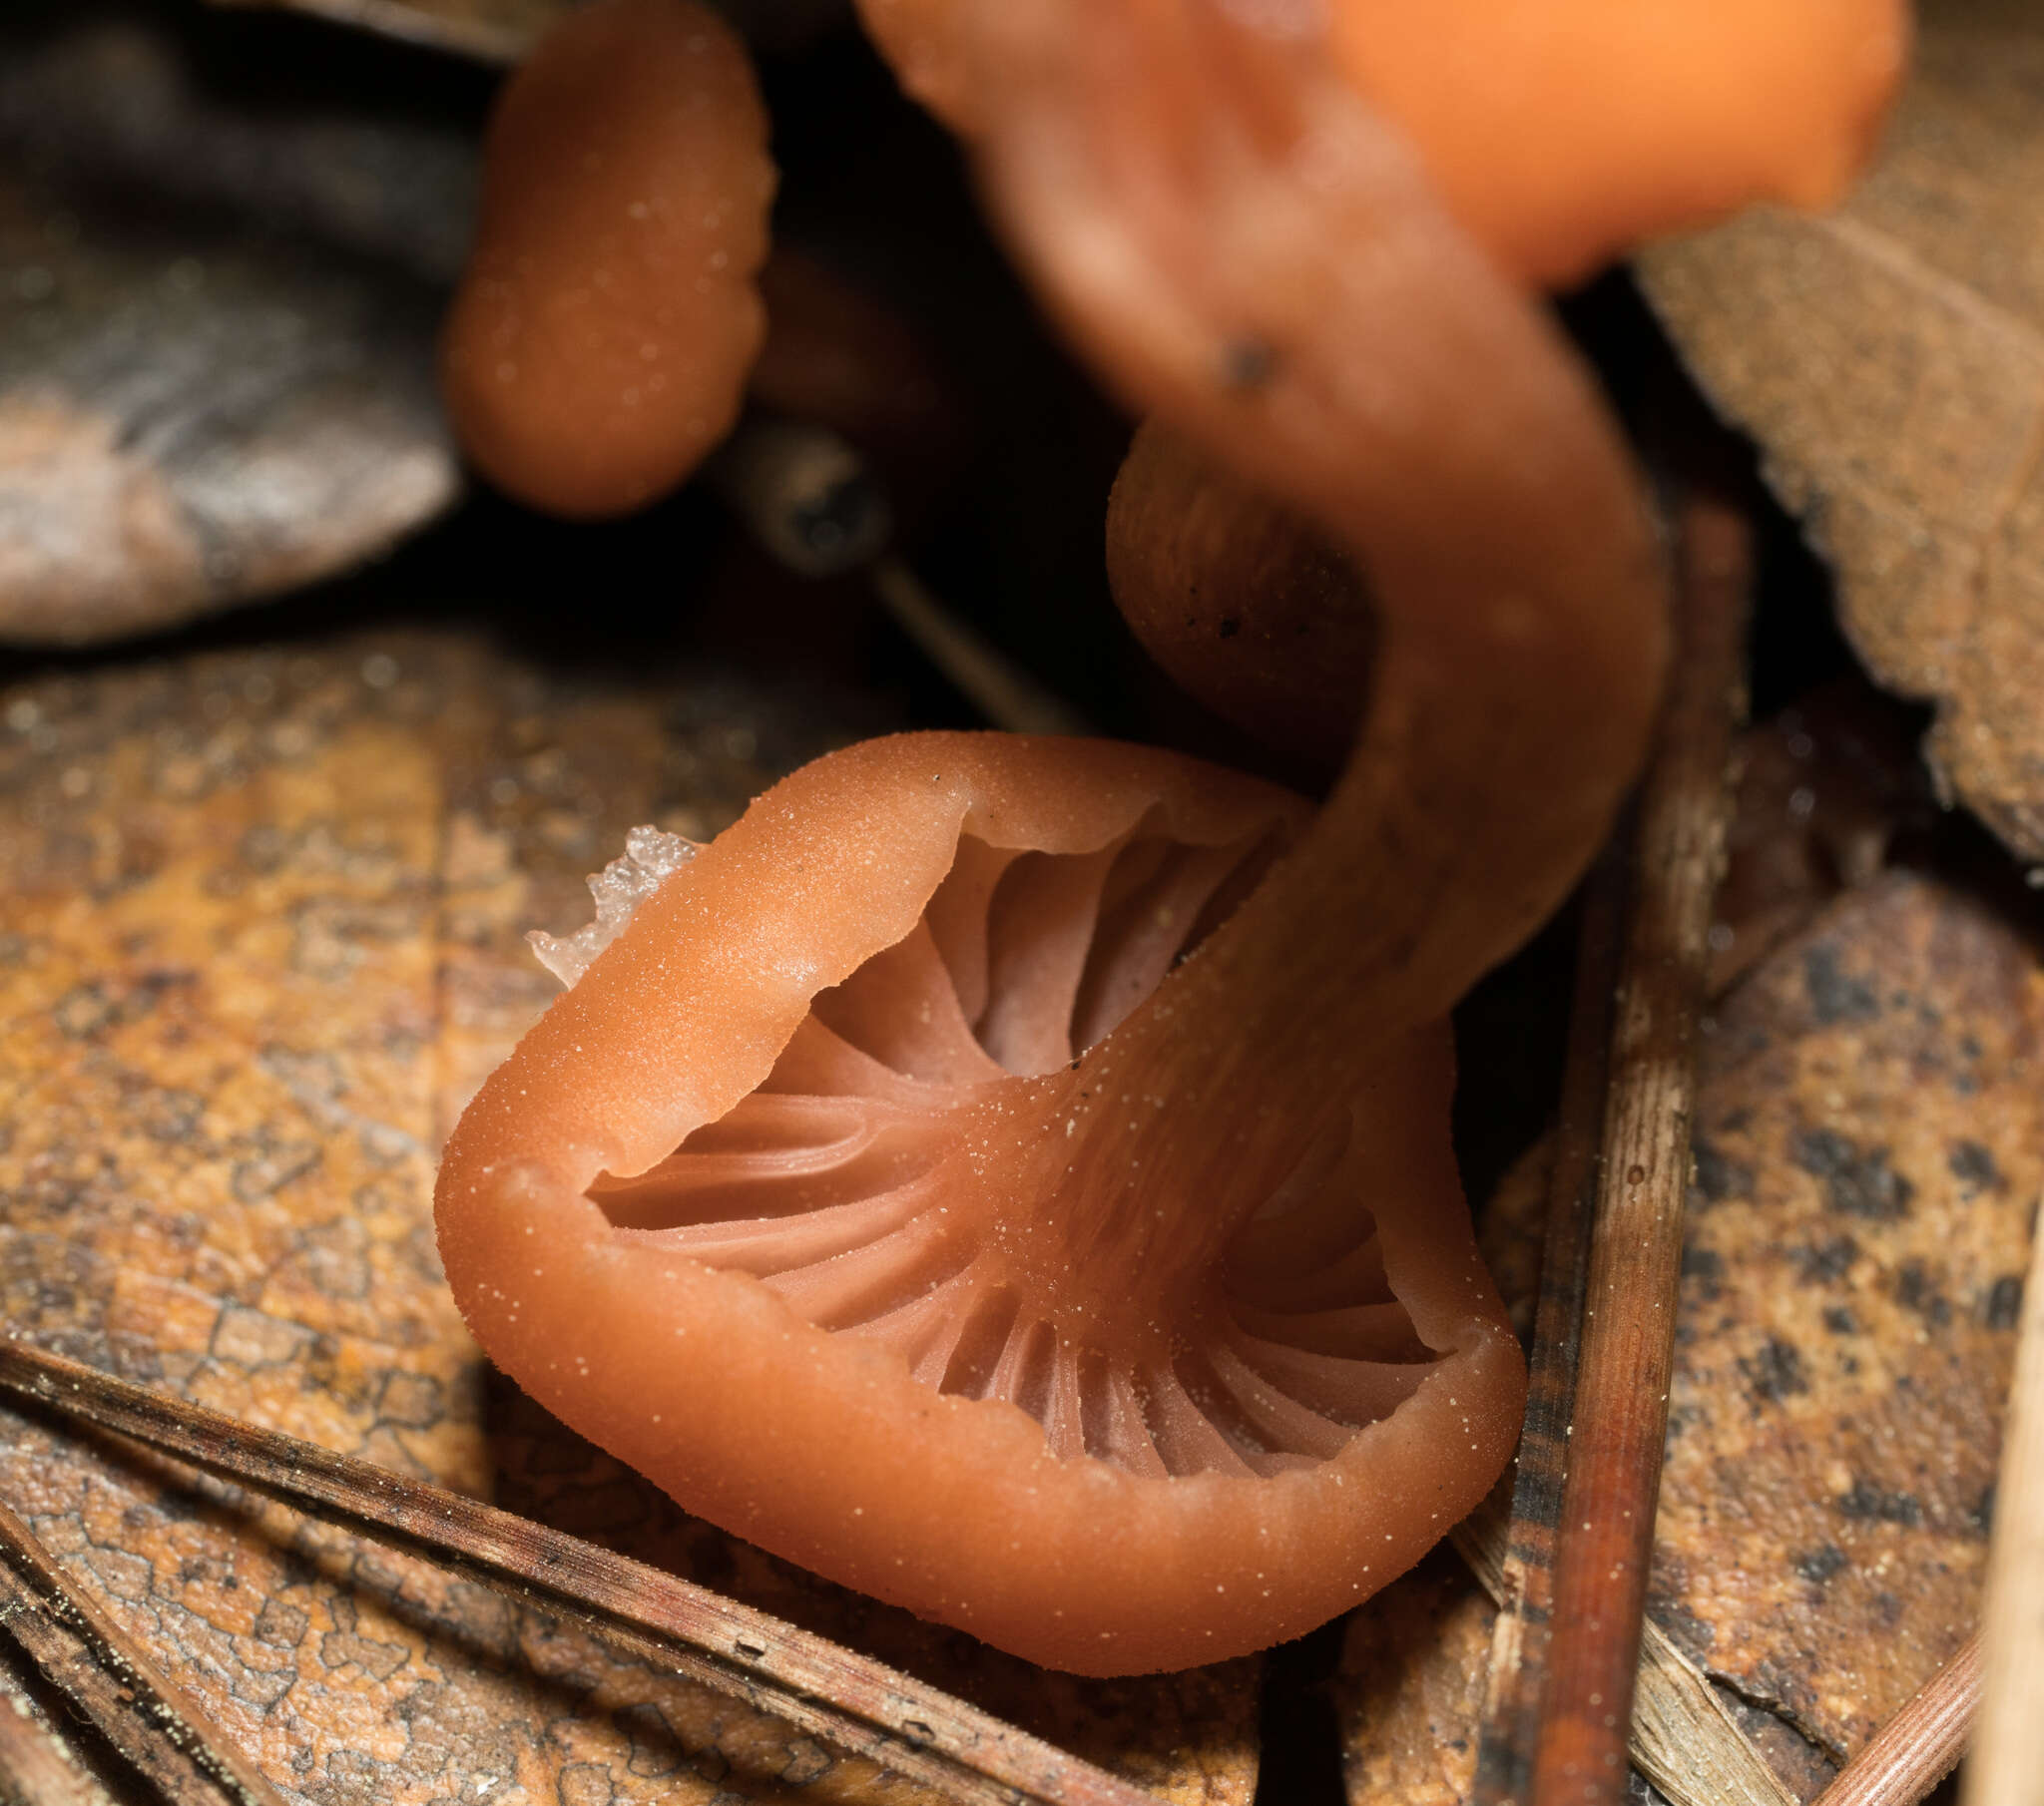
<point x="1250" y="255"/>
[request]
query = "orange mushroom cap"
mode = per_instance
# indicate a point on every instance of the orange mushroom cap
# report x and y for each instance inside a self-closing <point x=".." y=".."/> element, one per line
<point x="1561" y="134"/>
<point x="599" y="343"/>
<point x="892" y="1189"/>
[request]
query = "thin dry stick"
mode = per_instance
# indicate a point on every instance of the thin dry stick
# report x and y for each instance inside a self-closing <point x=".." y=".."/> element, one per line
<point x="115" y="1684"/>
<point x="2007" y="1764"/>
<point x="1683" y="1738"/>
<point x="1518" y="1655"/>
<point x="1920" y="1744"/>
<point x="857" y="1704"/>
<point x="471" y="32"/>
<point x="1620" y="1421"/>
<point x="807" y="495"/>
<point x="1002" y="693"/>
<point x="33" y="1772"/>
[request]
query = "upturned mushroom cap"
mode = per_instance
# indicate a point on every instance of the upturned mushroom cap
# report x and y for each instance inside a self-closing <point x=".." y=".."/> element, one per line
<point x="846" y="1196"/>
<point x="599" y="344"/>
<point x="1559" y="133"/>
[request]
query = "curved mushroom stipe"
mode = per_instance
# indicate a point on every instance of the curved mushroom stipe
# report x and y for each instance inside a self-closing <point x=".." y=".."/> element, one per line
<point x="599" y="343"/>
<point x="881" y="1192"/>
<point x="1246" y="253"/>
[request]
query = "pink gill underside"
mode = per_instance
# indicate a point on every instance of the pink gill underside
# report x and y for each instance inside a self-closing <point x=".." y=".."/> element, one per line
<point x="828" y="1182"/>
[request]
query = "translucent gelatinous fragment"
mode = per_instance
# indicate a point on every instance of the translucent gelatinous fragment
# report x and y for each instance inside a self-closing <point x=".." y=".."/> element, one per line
<point x="650" y="858"/>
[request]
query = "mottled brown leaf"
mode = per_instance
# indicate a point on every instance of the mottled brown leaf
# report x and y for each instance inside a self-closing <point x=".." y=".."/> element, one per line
<point x="263" y="933"/>
<point x="1889" y="358"/>
<point x="1869" y="1152"/>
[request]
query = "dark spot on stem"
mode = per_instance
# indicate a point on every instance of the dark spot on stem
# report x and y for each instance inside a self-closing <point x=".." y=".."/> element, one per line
<point x="1249" y="363"/>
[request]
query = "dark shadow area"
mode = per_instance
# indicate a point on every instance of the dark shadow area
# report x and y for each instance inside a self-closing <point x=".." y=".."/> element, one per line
<point x="1300" y="1730"/>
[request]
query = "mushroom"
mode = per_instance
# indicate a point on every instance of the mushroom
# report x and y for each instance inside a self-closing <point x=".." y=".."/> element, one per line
<point x="1246" y="606"/>
<point x="1557" y="136"/>
<point x="599" y="343"/>
<point x="872" y="1195"/>
<point x="964" y="1177"/>
<point x="1561" y="134"/>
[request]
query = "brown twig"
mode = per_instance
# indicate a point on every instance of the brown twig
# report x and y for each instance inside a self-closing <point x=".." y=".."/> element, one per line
<point x="1683" y="1738"/>
<point x="808" y="496"/>
<point x="1518" y="1657"/>
<point x="1615" y="1436"/>
<point x="819" y="1687"/>
<point x="1680" y="1733"/>
<point x="33" y="1772"/>
<point x="1920" y="1744"/>
<point x="1005" y="693"/>
<point x="113" y="1681"/>
<point x="474" y="34"/>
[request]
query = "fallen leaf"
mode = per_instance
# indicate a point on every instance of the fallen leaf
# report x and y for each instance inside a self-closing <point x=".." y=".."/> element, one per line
<point x="263" y="931"/>
<point x="215" y="334"/>
<point x="1409" y="1692"/>
<point x="1869" y="1152"/>
<point x="1889" y="359"/>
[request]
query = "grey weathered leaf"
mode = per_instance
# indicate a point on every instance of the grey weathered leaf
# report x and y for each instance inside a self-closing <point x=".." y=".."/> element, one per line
<point x="502" y="31"/>
<point x="216" y="336"/>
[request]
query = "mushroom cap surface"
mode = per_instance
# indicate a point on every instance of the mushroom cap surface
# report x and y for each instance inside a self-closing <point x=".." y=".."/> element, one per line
<point x="599" y="340"/>
<point x="1561" y="135"/>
